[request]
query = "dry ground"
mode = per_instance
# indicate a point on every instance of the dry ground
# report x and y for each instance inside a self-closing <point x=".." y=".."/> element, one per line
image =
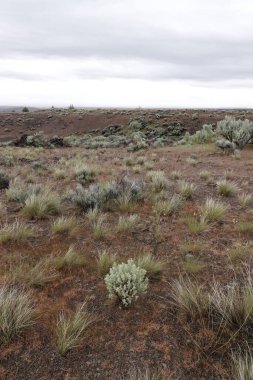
<point x="151" y="333"/>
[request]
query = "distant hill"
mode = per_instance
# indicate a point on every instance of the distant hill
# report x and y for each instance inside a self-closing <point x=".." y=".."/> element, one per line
<point x="16" y="109"/>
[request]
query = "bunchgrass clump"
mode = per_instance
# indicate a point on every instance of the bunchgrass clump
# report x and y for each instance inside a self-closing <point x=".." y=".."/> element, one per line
<point x="71" y="259"/>
<point x="105" y="261"/>
<point x="153" y="267"/>
<point x="71" y="328"/>
<point x="99" y="228"/>
<point x="245" y="200"/>
<point x="242" y="367"/>
<point x="227" y="188"/>
<point x="17" y="312"/>
<point x="205" y="174"/>
<point x="169" y="206"/>
<point x="64" y="225"/>
<point x="42" y="205"/>
<point x="213" y="210"/>
<point x="158" y="181"/>
<point x="196" y="225"/>
<point x="233" y="304"/>
<point x="38" y="275"/>
<point x="245" y="226"/>
<point x="186" y="189"/>
<point x="127" y="223"/>
<point x="240" y="253"/>
<point x="176" y="174"/>
<point x="15" y="232"/>
<point x="190" y="298"/>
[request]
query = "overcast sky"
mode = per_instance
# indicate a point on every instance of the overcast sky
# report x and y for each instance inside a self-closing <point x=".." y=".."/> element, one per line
<point x="160" y="53"/>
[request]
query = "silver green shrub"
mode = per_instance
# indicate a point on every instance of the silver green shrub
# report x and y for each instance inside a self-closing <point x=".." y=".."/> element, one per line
<point x="126" y="282"/>
<point x="203" y="136"/>
<point x="103" y="195"/>
<point x="239" y="132"/>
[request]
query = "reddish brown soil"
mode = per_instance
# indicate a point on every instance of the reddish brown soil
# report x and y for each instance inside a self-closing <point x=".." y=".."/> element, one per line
<point x="64" y="123"/>
<point x="149" y="333"/>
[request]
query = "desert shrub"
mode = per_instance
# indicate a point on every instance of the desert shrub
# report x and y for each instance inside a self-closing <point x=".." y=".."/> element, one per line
<point x="150" y="264"/>
<point x="157" y="180"/>
<point x="16" y="312"/>
<point x="190" y="298"/>
<point x="42" y="205"/>
<point x="236" y="131"/>
<point x="213" y="210"/>
<point x="138" y="142"/>
<point x="105" y="261"/>
<point x="84" y="174"/>
<point x="126" y="282"/>
<point x="15" y="232"/>
<point x="19" y="191"/>
<point x="106" y="195"/>
<point x="72" y="328"/>
<point x="205" y="135"/>
<point x="37" y="140"/>
<point x="127" y="223"/>
<point x="227" y="188"/>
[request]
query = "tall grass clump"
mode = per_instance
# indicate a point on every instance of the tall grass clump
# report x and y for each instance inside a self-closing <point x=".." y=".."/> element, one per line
<point x="70" y="259"/>
<point x="150" y="264"/>
<point x="64" y="225"/>
<point x="15" y="232"/>
<point x="127" y="223"/>
<point x="213" y="210"/>
<point x="105" y="261"/>
<point x="42" y="205"/>
<point x="245" y="200"/>
<point x="169" y="206"/>
<point x="186" y="189"/>
<point x="227" y="188"/>
<point x="189" y="297"/>
<point x="158" y="181"/>
<point x="71" y="328"/>
<point x="16" y="312"/>
<point x="242" y="367"/>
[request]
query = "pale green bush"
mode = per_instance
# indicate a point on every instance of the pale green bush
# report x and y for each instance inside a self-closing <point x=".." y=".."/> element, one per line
<point x="126" y="282"/>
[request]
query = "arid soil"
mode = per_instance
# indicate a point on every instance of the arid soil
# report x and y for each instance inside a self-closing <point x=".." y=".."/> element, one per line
<point x="151" y="333"/>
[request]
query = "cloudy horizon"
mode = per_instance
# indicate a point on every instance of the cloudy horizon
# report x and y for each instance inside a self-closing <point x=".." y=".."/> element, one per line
<point x="130" y="53"/>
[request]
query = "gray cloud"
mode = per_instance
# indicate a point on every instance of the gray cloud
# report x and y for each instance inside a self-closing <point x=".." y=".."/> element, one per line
<point x="190" y="46"/>
<point x="113" y="31"/>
